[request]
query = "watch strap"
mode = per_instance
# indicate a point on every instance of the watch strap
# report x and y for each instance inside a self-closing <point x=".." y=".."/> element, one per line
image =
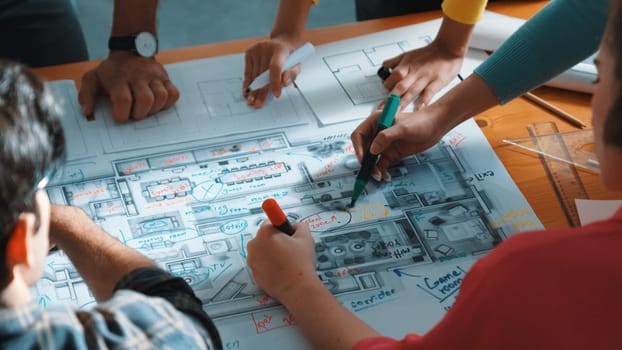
<point x="125" y="43"/>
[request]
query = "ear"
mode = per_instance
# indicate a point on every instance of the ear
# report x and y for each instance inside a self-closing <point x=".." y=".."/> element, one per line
<point x="17" y="247"/>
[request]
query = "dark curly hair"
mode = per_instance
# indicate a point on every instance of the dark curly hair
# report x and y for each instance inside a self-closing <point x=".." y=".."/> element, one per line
<point x="31" y="146"/>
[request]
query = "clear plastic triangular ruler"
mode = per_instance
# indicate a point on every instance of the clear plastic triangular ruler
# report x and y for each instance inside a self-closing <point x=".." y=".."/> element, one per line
<point x="575" y="147"/>
<point x="561" y="154"/>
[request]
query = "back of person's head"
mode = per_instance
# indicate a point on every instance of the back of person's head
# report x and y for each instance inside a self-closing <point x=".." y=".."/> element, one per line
<point x="32" y="145"/>
<point x="613" y="124"/>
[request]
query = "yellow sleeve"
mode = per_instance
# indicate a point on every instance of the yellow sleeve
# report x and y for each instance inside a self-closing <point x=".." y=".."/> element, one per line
<point x="464" y="11"/>
<point x="314" y="2"/>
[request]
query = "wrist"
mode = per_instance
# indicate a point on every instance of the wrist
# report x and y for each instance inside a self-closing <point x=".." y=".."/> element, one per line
<point x="466" y="100"/>
<point x="301" y="289"/>
<point x="66" y="222"/>
<point x="292" y="39"/>
<point x="453" y="37"/>
<point x="144" y="44"/>
<point x="443" y="116"/>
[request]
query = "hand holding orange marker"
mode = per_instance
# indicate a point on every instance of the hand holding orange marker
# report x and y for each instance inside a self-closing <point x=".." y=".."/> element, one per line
<point x="277" y="216"/>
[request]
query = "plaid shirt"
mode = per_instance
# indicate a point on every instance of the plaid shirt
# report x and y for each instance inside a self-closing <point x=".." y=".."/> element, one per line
<point x="150" y="309"/>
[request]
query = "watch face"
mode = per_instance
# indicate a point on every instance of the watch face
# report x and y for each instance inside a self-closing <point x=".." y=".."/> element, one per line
<point x="146" y="44"/>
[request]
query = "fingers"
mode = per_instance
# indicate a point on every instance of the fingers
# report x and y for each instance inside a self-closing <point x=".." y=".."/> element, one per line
<point x="257" y="98"/>
<point x="385" y="162"/>
<point x="301" y="231"/>
<point x="362" y="136"/>
<point x="290" y="75"/>
<point x="271" y="56"/>
<point x="392" y="62"/>
<point x="256" y="61"/>
<point x="428" y="93"/>
<point x="276" y="68"/>
<point x="160" y="96"/>
<point x="266" y="229"/>
<point x="165" y="94"/>
<point x="385" y="144"/>
<point x="248" y="72"/>
<point x="384" y="139"/>
<point x="172" y="93"/>
<point x="137" y="87"/>
<point x="413" y="91"/>
<point x="142" y="100"/>
<point x="398" y="74"/>
<point x="88" y="92"/>
<point x="121" y="100"/>
<point x="139" y="100"/>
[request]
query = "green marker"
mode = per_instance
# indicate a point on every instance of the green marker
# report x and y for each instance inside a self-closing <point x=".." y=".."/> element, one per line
<point x="369" y="160"/>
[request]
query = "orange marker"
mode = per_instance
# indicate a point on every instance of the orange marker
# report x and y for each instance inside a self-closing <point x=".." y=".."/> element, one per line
<point x="277" y="216"/>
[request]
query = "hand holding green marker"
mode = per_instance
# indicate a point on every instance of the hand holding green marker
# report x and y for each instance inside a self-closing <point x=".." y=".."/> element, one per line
<point x="369" y="160"/>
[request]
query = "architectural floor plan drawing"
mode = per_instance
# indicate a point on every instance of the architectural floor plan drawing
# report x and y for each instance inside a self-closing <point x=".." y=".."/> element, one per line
<point x="74" y="123"/>
<point x="356" y="71"/>
<point x="185" y="188"/>
<point x="223" y="99"/>
<point x="192" y="211"/>
<point x="211" y="104"/>
<point x="340" y="82"/>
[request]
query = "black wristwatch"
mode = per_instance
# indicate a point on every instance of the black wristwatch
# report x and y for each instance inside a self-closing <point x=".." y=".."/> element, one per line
<point x="143" y="44"/>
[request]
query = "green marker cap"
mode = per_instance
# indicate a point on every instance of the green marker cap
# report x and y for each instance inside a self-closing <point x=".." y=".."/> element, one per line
<point x="388" y="112"/>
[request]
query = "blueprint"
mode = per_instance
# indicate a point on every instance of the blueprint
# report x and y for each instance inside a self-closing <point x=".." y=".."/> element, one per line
<point x="344" y="84"/>
<point x="191" y="202"/>
<point x="211" y="104"/>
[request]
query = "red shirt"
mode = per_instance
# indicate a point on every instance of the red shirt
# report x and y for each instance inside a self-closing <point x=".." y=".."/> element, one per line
<point x="557" y="289"/>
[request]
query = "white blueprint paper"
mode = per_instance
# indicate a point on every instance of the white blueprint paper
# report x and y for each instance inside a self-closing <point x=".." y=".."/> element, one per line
<point x="211" y="105"/>
<point x="191" y="203"/>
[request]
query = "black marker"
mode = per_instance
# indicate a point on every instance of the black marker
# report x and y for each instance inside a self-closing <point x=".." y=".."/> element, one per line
<point x="384" y="72"/>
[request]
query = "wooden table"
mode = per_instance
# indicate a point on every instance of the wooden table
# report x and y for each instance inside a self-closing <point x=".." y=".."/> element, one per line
<point x="508" y="121"/>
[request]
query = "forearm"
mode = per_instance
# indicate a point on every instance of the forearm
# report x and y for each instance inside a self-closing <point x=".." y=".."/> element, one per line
<point x="465" y="100"/>
<point x="291" y="18"/>
<point x="134" y="16"/>
<point x="562" y="34"/>
<point x="454" y="36"/>
<point x="322" y="318"/>
<point x="100" y="259"/>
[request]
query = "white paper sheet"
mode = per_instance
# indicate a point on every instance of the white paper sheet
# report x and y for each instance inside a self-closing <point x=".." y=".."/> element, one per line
<point x="192" y="205"/>
<point x="211" y="105"/>
<point x="591" y="210"/>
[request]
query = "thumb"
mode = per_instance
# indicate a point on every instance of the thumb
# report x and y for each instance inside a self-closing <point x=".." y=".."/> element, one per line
<point x="384" y="139"/>
<point x="392" y="62"/>
<point x="276" y="69"/>
<point x="301" y="231"/>
<point x="290" y="75"/>
<point x="88" y="93"/>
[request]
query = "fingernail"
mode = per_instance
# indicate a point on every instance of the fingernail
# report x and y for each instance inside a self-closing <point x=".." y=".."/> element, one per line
<point x="372" y="149"/>
<point x="386" y="176"/>
<point x="376" y="176"/>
